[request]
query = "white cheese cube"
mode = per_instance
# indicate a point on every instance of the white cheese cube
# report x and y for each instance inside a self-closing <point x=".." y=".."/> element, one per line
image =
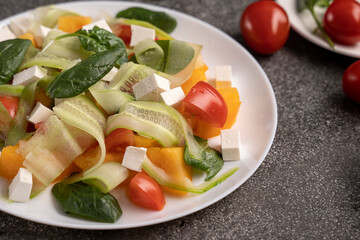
<point x="139" y="33"/>
<point x="29" y="75"/>
<point x="20" y="25"/>
<point x="21" y="185"/>
<point x="223" y="76"/>
<point x="230" y="144"/>
<point x="6" y="34"/>
<point x="101" y="24"/>
<point x="39" y="114"/>
<point x="40" y="34"/>
<point x="150" y="88"/>
<point x="134" y="157"/>
<point x="110" y="75"/>
<point x="173" y="97"/>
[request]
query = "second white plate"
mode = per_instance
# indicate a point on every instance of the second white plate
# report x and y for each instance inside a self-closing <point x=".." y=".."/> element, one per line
<point x="303" y="24"/>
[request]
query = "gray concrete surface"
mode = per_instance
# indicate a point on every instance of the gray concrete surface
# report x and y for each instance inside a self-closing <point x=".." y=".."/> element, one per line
<point x="309" y="184"/>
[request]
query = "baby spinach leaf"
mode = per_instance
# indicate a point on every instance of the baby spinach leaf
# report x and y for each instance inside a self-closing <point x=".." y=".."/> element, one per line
<point x="12" y="53"/>
<point x="98" y="40"/>
<point x="159" y="19"/>
<point x="210" y="160"/>
<point x="80" y="199"/>
<point x="77" y="79"/>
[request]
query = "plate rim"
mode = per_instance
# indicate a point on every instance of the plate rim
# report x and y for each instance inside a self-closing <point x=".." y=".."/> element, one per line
<point x="113" y="226"/>
<point x="290" y="8"/>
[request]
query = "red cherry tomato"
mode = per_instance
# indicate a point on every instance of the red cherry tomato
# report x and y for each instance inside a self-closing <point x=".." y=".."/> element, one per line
<point x="11" y="104"/>
<point x="146" y="192"/>
<point x="206" y="103"/>
<point x="265" y="26"/>
<point x="119" y="138"/>
<point x="342" y="21"/>
<point x="351" y="82"/>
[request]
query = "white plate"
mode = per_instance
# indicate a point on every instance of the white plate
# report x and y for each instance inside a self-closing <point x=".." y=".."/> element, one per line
<point x="257" y="122"/>
<point x="304" y="24"/>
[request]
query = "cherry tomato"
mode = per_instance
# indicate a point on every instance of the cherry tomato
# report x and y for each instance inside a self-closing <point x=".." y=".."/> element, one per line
<point x="206" y="103"/>
<point x="119" y="138"/>
<point x="342" y="21"/>
<point x="11" y="104"/>
<point x="265" y="26"/>
<point x="351" y="82"/>
<point x="123" y="31"/>
<point x="146" y="192"/>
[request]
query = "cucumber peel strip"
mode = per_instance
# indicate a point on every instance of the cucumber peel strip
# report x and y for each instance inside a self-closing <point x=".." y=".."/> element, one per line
<point x="164" y="179"/>
<point x="106" y="177"/>
<point x="82" y="113"/>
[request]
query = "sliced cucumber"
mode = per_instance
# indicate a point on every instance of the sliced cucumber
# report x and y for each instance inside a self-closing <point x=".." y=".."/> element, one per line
<point x="106" y="177"/>
<point x="151" y="119"/>
<point x="11" y="90"/>
<point x="109" y="99"/>
<point x="45" y="59"/>
<point x="129" y="74"/>
<point x="82" y="113"/>
<point x="52" y="148"/>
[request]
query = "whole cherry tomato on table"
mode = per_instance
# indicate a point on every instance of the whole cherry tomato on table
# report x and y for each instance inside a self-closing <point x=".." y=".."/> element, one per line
<point x="351" y="82"/>
<point x="265" y="26"/>
<point x="342" y="21"/>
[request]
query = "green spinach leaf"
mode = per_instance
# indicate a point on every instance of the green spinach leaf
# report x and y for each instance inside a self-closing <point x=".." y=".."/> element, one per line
<point x="159" y="19"/>
<point x="12" y="53"/>
<point x="80" y="199"/>
<point x="98" y="40"/>
<point x="77" y="79"/>
<point x="210" y="161"/>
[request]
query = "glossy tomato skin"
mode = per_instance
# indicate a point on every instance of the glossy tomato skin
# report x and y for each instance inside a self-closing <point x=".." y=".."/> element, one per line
<point x="123" y="31"/>
<point x="206" y="103"/>
<point x="11" y="104"/>
<point x="119" y="138"/>
<point x="342" y="21"/>
<point x="146" y="192"/>
<point x="265" y="26"/>
<point x="351" y="82"/>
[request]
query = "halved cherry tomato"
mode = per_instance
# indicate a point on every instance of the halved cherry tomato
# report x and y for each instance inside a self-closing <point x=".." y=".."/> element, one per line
<point x="206" y="103"/>
<point x="342" y="21"/>
<point x="123" y="31"/>
<point x="351" y="82"/>
<point x="265" y="26"/>
<point x="146" y="192"/>
<point x="119" y="138"/>
<point x="11" y="104"/>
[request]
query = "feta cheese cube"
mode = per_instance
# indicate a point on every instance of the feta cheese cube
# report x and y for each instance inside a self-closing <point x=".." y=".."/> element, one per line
<point x="20" y="25"/>
<point x="6" y="34"/>
<point x="134" y="157"/>
<point x="40" y="34"/>
<point x="230" y="144"/>
<point x="223" y="76"/>
<point x="21" y="185"/>
<point x="150" y="88"/>
<point x="101" y="24"/>
<point x="110" y="75"/>
<point x="139" y="33"/>
<point x="173" y="97"/>
<point x="29" y="75"/>
<point x="39" y="114"/>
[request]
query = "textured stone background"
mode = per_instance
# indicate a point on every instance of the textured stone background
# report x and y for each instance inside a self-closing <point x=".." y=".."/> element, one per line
<point x="309" y="184"/>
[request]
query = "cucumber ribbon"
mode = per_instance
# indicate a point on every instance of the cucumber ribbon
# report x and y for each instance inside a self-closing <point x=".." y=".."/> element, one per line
<point x="169" y="128"/>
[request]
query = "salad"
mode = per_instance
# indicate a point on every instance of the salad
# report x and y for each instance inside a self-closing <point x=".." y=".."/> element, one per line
<point x="89" y="106"/>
